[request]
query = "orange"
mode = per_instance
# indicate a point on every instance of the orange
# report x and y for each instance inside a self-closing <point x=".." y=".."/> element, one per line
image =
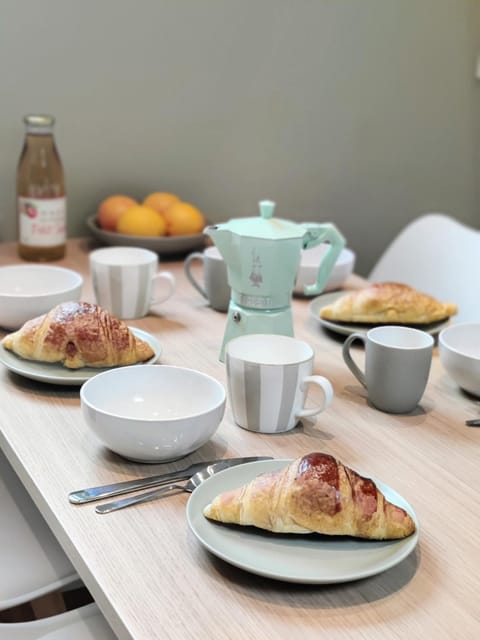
<point x="160" y="200"/>
<point x="183" y="219"/>
<point x="142" y="221"/>
<point x="110" y="210"/>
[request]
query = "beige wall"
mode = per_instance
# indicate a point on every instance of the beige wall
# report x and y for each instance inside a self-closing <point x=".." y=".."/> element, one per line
<point x="362" y="112"/>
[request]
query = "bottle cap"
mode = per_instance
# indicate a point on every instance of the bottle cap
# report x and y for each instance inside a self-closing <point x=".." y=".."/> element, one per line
<point x="39" y="123"/>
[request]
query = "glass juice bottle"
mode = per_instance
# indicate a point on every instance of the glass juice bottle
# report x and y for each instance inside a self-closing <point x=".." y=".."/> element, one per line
<point x="41" y="201"/>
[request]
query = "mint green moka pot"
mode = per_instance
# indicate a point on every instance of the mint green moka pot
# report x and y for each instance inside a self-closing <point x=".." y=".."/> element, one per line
<point x="262" y="255"/>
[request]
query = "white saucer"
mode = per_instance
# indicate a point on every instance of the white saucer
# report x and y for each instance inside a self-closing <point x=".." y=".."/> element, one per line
<point x="347" y="328"/>
<point x="57" y="373"/>
<point x="306" y="559"/>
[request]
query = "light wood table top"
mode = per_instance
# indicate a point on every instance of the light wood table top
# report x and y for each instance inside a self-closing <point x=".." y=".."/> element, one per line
<point x="152" y="578"/>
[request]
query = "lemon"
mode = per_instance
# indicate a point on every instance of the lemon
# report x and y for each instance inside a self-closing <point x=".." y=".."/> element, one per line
<point x="183" y="219"/>
<point x="160" y="200"/>
<point x="110" y="210"/>
<point x="142" y="221"/>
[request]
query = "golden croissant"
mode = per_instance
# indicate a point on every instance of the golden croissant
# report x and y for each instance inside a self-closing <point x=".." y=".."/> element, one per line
<point x="315" y="493"/>
<point x="78" y="334"/>
<point x="387" y="303"/>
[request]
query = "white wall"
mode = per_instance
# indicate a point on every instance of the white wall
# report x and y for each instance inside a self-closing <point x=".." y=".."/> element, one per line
<point x="361" y="112"/>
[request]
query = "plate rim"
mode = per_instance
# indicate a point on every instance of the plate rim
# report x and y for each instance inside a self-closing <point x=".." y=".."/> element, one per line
<point x="197" y="501"/>
<point x="57" y="377"/>
<point x="348" y="328"/>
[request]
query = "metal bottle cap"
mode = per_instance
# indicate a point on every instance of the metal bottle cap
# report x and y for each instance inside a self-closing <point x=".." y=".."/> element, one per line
<point x="39" y="123"/>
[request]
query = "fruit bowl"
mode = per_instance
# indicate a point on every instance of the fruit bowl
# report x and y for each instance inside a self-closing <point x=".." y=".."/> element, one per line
<point x="163" y="245"/>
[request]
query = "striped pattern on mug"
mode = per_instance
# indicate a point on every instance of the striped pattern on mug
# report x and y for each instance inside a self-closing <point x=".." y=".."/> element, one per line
<point x="123" y="290"/>
<point x="266" y="398"/>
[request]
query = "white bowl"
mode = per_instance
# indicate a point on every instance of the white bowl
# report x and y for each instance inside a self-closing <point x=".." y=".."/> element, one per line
<point x="459" y="350"/>
<point x="309" y="261"/>
<point x="153" y="413"/>
<point x="30" y="290"/>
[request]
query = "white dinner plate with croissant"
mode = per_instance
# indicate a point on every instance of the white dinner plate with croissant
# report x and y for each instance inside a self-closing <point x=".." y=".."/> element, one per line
<point x="305" y="559"/>
<point x="57" y="373"/>
<point x="347" y="328"/>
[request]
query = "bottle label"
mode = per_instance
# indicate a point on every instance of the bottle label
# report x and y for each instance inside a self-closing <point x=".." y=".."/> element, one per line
<point x="42" y="221"/>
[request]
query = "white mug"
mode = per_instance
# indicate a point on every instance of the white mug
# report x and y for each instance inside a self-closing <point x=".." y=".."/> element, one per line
<point x="215" y="287"/>
<point x="268" y="377"/>
<point x="397" y="365"/>
<point x="124" y="279"/>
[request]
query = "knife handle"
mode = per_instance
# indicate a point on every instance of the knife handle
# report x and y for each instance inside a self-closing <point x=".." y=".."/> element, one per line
<point x="148" y="496"/>
<point x="116" y="489"/>
<point x="109" y="490"/>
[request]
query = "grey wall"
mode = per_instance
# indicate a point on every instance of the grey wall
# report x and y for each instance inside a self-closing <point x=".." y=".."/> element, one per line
<point x="361" y="112"/>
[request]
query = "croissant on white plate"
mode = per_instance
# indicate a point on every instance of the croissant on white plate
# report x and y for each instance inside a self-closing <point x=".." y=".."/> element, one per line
<point x="314" y="493"/>
<point x="78" y="334"/>
<point x="388" y="303"/>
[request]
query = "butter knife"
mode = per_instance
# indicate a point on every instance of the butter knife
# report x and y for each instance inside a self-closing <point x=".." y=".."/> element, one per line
<point x="106" y="491"/>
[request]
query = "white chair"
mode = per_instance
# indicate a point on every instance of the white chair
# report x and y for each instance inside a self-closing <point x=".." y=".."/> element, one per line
<point x="32" y="563"/>
<point x="84" y="623"/>
<point x="439" y="256"/>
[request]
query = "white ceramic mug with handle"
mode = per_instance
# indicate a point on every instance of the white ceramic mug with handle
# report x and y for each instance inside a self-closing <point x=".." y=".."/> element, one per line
<point x="269" y="377"/>
<point x="126" y="282"/>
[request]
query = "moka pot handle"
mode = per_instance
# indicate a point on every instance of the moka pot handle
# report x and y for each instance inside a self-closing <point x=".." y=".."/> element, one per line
<point x="316" y="234"/>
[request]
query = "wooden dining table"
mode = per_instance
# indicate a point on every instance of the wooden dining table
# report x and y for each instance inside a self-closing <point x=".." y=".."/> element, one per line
<point x="148" y="572"/>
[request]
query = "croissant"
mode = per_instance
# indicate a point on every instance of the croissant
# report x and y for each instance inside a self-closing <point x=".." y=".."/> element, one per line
<point x="387" y="303"/>
<point x="78" y="334"/>
<point x="315" y="493"/>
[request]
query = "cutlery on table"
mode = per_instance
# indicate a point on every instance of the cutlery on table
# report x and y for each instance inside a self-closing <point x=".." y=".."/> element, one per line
<point x="189" y="487"/>
<point x="473" y="423"/>
<point x="109" y="490"/>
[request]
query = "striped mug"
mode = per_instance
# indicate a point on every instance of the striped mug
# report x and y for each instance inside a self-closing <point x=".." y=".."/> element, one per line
<point x="269" y="377"/>
<point x="124" y="278"/>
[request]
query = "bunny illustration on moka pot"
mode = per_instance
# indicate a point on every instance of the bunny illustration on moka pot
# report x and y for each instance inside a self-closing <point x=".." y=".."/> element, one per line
<point x="262" y="255"/>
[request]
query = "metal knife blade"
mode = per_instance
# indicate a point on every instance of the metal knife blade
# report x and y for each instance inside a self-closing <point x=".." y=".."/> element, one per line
<point x="106" y="491"/>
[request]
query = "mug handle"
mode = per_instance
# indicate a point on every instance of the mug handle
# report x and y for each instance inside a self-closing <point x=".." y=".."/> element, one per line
<point x="170" y="279"/>
<point x="327" y="389"/>
<point x="354" y="368"/>
<point x="196" y="255"/>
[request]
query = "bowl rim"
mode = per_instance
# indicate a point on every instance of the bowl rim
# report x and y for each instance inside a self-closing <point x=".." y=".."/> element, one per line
<point x="92" y="223"/>
<point x="41" y="267"/>
<point x="458" y="326"/>
<point x="346" y="257"/>
<point x="91" y="381"/>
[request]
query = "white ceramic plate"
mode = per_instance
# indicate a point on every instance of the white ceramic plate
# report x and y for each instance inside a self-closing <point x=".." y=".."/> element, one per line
<point x="307" y="559"/>
<point x="347" y="328"/>
<point x="163" y="245"/>
<point x="57" y="373"/>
